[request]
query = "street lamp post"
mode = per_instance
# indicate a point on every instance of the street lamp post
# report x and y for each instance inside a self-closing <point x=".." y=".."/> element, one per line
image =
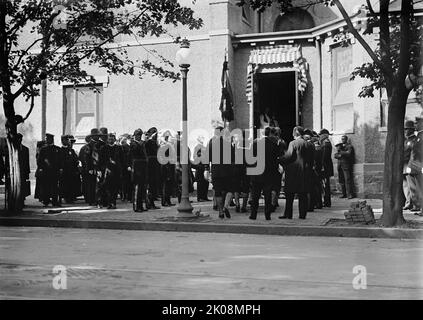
<point x="182" y="58"/>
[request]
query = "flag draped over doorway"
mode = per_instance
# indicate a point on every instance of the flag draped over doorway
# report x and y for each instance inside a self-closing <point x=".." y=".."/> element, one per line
<point x="227" y="100"/>
<point x="283" y="54"/>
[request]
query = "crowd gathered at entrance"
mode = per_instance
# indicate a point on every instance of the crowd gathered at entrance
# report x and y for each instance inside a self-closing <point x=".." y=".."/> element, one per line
<point x="129" y="168"/>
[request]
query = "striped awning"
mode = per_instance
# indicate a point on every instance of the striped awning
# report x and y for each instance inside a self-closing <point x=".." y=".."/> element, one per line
<point x="276" y="55"/>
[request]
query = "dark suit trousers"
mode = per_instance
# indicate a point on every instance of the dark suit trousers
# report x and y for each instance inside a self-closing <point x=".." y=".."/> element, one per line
<point x="326" y="191"/>
<point x="256" y="189"/>
<point x="345" y="180"/>
<point x="202" y="188"/>
<point x="414" y="193"/>
<point x="302" y="204"/>
<point x="419" y="190"/>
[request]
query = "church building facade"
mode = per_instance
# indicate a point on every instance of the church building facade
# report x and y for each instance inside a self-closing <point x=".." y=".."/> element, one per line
<point x="296" y="66"/>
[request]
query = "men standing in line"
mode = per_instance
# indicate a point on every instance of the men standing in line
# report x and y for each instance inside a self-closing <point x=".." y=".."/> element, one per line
<point x="298" y="162"/>
<point x="50" y="169"/>
<point x="409" y="183"/>
<point x="265" y="181"/>
<point x="415" y="164"/>
<point x="111" y="159"/>
<point x="89" y="175"/>
<point x="70" y="182"/>
<point x="326" y="166"/>
<point x="138" y="167"/>
<point x="345" y="156"/>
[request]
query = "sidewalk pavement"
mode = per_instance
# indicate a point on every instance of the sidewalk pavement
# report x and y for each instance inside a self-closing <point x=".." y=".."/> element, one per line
<point x="324" y="222"/>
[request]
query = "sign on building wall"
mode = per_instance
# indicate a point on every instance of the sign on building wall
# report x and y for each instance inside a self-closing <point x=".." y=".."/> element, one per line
<point x="82" y="109"/>
<point x="342" y="93"/>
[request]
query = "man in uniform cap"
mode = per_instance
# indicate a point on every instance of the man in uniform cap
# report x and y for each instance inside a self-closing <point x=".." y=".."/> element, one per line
<point x="126" y="187"/>
<point x="89" y="175"/>
<point x="415" y="165"/>
<point x="70" y="181"/>
<point x="326" y="169"/>
<point x="151" y="147"/>
<point x="100" y="192"/>
<point x="50" y="167"/>
<point x="111" y="164"/>
<point x="409" y="181"/>
<point x="138" y="167"/>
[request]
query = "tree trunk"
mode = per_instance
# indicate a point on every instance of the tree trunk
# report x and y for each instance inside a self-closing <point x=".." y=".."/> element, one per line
<point x="394" y="157"/>
<point x="14" y="201"/>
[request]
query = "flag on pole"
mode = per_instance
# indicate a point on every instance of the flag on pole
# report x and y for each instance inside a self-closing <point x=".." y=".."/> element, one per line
<point x="227" y="100"/>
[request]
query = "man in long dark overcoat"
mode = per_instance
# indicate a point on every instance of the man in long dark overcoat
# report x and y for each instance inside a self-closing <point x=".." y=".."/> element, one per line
<point x="70" y="181"/>
<point x="266" y="180"/>
<point x="327" y="166"/>
<point x="50" y="167"/>
<point x="112" y="165"/>
<point x="298" y="163"/>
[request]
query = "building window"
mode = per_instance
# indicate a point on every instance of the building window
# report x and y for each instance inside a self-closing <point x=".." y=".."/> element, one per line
<point x="342" y="93"/>
<point x="413" y="109"/>
<point x="82" y="109"/>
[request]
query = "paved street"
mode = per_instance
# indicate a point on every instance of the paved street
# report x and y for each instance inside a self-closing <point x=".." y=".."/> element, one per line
<point x="106" y="264"/>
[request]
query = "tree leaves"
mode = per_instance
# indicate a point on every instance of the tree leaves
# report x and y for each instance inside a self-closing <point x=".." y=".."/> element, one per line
<point x="92" y="27"/>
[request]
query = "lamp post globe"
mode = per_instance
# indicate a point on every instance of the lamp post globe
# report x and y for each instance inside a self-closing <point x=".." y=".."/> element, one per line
<point x="183" y="54"/>
<point x="182" y="58"/>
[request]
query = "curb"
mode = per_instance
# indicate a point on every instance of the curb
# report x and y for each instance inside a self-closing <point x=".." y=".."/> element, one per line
<point x="315" y="231"/>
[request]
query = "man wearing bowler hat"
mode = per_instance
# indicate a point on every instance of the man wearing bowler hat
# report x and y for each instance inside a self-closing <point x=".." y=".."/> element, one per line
<point x="409" y="181"/>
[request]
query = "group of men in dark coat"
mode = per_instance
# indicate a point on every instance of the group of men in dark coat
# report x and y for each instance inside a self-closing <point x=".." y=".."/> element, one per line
<point x="105" y="169"/>
<point x="306" y="163"/>
<point x="57" y="174"/>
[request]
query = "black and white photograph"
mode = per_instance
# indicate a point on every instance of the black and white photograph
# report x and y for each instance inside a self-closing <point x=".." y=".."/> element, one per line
<point x="211" y="156"/>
